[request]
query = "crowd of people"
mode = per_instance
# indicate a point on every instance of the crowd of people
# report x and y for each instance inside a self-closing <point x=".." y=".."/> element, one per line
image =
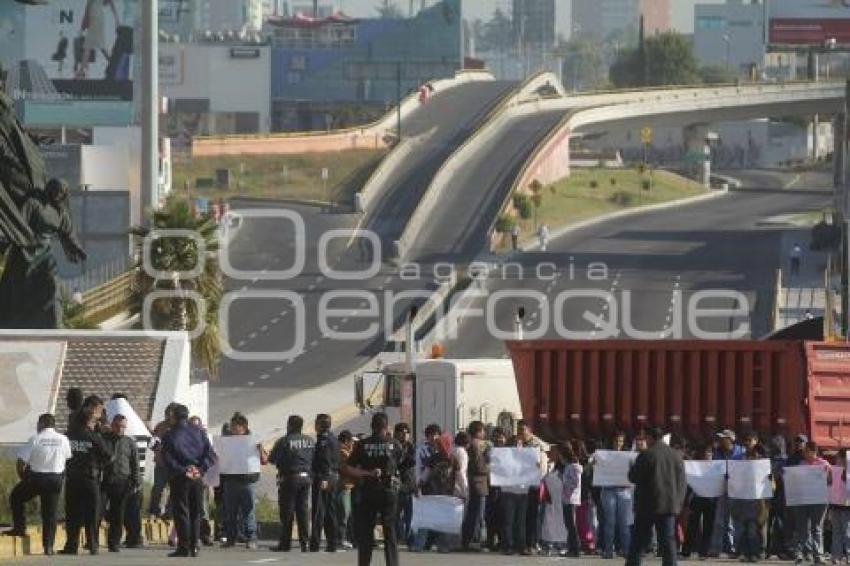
<point x="336" y="488"/>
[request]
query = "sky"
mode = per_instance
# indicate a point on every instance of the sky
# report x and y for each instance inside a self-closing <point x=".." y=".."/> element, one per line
<point x="683" y="10"/>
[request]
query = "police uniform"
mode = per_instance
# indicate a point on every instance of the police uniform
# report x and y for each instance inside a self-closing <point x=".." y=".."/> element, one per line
<point x="378" y="495"/>
<point x="324" y="508"/>
<point x="293" y="456"/>
<point x="44" y="456"/>
<point x="90" y="453"/>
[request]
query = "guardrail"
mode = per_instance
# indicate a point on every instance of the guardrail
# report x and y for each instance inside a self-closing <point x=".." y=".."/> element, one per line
<point x="109" y="298"/>
<point x="372" y="132"/>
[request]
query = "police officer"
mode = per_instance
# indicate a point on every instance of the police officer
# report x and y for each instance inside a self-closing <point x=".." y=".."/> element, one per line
<point x="376" y="460"/>
<point x="41" y="466"/>
<point x="293" y="456"/>
<point x="90" y="454"/>
<point x="325" y="479"/>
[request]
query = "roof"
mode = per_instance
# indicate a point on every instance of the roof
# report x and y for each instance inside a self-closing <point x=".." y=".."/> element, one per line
<point x="107" y="366"/>
<point x="302" y="21"/>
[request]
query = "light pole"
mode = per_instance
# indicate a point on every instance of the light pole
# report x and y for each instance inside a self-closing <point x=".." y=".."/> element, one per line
<point x="150" y="105"/>
<point x="727" y="39"/>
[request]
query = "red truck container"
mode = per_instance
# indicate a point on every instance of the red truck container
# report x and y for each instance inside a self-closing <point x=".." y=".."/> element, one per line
<point x="695" y="388"/>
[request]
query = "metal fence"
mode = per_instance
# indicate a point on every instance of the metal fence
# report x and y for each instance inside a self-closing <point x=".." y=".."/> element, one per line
<point x="96" y="276"/>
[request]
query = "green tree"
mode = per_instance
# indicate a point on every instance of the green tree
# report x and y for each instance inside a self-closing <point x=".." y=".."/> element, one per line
<point x="173" y="255"/>
<point x="716" y="74"/>
<point x="662" y="60"/>
<point x="584" y="64"/>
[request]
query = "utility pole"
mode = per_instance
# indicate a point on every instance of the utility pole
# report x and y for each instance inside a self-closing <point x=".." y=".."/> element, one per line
<point x="398" y="99"/>
<point x="841" y="201"/>
<point x="150" y="106"/>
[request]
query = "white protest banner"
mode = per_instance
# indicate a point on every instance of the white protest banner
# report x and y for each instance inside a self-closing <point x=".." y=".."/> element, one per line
<point x="439" y="513"/>
<point x="750" y="479"/>
<point x="805" y="485"/>
<point x="514" y="466"/>
<point x="237" y="454"/>
<point x="838" y="490"/>
<point x="212" y="477"/>
<point x="706" y="477"/>
<point x="611" y="468"/>
<point x="135" y="425"/>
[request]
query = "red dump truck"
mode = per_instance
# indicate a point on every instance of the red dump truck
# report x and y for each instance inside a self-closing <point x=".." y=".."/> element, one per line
<point x="695" y="388"/>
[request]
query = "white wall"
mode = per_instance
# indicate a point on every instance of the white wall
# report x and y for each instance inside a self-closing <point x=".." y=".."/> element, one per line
<point x="208" y="71"/>
<point x="131" y="140"/>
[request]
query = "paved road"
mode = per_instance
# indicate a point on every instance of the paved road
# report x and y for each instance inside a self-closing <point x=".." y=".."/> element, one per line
<point x="265" y="244"/>
<point x="440" y="127"/>
<point x="651" y="259"/>
<point x="220" y="557"/>
<point x="463" y="217"/>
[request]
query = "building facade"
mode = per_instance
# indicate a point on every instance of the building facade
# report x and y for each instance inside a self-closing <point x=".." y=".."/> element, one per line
<point x="534" y="23"/>
<point x="603" y="18"/>
<point x="730" y="35"/>
<point x="321" y="68"/>
<point x="215" y="88"/>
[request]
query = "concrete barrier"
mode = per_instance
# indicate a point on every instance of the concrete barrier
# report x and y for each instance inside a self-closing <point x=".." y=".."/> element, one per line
<point x="11" y="548"/>
<point x="524" y="93"/>
<point x="370" y="136"/>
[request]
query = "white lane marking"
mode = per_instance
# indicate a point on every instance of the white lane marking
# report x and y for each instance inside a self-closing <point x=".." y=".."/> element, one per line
<point x="262" y="561"/>
<point x="254" y="280"/>
<point x="283" y="312"/>
<point x="250" y="384"/>
<point x="344" y="320"/>
<point x="314" y="343"/>
<point x="264" y="327"/>
<point x="388" y="280"/>
<point x="244" y="287"/>
<point x="311" y="287"/>
<point x="278" y="369"/>
<point x="252" y="336"/>
<point x="264" y="377"/>
<point x="241" y="343"/>
<point x="335" y="327"/>
<point x="275" y="320"/>
<point x="319" y="279"/>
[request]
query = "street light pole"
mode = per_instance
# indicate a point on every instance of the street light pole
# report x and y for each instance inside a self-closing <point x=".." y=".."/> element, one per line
<point x="398" y="99"/>
<point x="150" y="106"/>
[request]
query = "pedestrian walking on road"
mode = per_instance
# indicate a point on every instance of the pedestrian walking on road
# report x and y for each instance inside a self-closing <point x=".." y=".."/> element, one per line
<point x="41" y="467"/>
<point x="325" y="480"/>
<point x="660" y="486"/>
<point x="375" y="461"/>
<point x="543" y="236"/>
<point x="515" y="237"/>
<point x="187" y="455"/>
<point x="293" y="456"/>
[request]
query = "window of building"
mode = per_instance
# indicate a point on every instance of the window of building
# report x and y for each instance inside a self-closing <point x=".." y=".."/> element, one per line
<point x="711" y="22"/>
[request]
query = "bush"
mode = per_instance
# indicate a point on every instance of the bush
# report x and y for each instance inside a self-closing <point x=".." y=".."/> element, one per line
<point x="523" y="205"/>
<point x="622" y="198"/>
<point x="646" y="184"/>
<point x="594" y="184"/>
<point x="613" y="181"/>
<point x="505" y="224"/>
<point x="267" y="510"/>
<point x="8" y="480"/>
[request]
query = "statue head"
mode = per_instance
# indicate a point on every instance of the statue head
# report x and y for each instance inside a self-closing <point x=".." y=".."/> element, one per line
<point x="56" y="192"/>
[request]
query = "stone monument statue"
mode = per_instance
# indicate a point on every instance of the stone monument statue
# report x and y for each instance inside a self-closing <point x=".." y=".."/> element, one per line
<point x="34" y="214"/>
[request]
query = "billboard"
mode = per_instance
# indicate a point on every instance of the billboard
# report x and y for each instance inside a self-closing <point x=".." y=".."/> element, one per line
<point x="808" y="22"/>
<point x="70" y="53"/>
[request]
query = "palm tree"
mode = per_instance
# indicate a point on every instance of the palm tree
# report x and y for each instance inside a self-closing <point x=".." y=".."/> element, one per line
<point x="181" y="254"/>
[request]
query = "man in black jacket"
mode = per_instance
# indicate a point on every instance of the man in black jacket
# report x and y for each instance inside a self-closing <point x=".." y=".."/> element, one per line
<point x="90" y="454"/>
<point x="120" y="479"/>
<point x="293" y="456"/>
<point x="660" y="486"/>
<point x="325" y="478"/>
<point x="187" y="455"/>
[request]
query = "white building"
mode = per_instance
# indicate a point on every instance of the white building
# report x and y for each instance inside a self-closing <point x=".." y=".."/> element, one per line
<point x="229" y="15"/>
<point x="215" y="88"/>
